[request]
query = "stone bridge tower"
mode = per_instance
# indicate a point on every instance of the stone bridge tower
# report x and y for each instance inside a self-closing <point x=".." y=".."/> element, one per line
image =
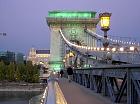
<point x="73" y="24"/>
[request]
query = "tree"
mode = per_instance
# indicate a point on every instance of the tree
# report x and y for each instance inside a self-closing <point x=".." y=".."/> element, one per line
<point x="35" y="78"/>
<point x="11" y="72"/>
<point x="32" y="73"/>
<point x="29" y="71"/>
<point x="22" y="70"/>
<point x="17" y="75"/>
<point x="2" y="71"/>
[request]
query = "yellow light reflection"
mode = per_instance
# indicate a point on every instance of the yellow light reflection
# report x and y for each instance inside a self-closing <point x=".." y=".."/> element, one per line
<point x="105" y="22"/>
<point x="60" y="99"/>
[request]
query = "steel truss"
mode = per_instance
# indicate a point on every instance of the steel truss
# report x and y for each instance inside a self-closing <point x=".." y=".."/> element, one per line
<point x="121" y="83"/>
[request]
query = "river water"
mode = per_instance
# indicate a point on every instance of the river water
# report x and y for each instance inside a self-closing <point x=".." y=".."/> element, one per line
<point x="17" y="97"/>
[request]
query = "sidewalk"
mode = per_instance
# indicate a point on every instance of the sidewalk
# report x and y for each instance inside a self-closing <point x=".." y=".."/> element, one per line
<point x="77" y="94"/>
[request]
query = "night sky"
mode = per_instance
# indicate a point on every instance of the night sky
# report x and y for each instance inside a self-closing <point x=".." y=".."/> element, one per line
<point x="26" y="27"/>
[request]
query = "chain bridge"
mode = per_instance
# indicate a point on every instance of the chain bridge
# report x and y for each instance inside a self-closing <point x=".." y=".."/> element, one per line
<point x="112" y="71"/>
<point x="74" y="41"/>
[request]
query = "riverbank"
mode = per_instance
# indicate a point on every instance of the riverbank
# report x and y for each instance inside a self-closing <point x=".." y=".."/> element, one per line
<point x="27" y="87"/>
<point x="24" y="89"/>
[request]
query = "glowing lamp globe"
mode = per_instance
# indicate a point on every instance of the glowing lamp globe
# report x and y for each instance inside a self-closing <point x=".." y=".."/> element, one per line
<point x="105" y="20"/>
<point x="71" y="54"/>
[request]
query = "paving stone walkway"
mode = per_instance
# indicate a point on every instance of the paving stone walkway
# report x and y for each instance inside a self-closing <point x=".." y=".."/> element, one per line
<point x="77" y="94"/>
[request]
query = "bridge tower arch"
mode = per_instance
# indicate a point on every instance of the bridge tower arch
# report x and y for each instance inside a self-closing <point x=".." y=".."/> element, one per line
<point x="73" y="24"/>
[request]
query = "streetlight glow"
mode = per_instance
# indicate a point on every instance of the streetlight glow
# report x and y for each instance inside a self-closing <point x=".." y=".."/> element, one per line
<point x="105" y="24"/>
<point x="98" y="48"/>
<point x="64" y="60"/>
<point x="105" y="20"/>
<point x="121" y="49"/>
<point x="94" y="48"/>
<point x="89" y="48"/>
<point x="113" y="49"/>
<point x="71" y="54"/>
<point x="102" y="49"/>
<point x="132" y="48"/>
<point x="107" y="49"/>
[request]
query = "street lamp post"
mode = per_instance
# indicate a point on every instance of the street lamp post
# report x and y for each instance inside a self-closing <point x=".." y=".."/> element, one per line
<point x="105" y="24"/>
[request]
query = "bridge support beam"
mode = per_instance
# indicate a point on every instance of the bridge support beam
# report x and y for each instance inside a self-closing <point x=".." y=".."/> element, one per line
<point x="121" y="83"/>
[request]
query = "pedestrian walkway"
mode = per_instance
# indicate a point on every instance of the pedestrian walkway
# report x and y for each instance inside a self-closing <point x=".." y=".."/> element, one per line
<point x="77" y="94"/>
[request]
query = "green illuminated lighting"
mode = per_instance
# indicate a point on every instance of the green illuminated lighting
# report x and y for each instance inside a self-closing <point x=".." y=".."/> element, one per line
<point x="72" y="14"/>
<point x="56" y="67"/>
<point x="93" y="57"/>
<point x="87" y="66"/>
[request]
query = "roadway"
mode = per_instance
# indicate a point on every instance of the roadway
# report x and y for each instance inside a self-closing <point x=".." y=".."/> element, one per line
<point x="77" y="94"/>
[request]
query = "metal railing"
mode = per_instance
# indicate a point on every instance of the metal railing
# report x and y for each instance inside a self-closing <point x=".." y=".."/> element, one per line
<point x="53" y="93"/>
<point x="121" y="83"/>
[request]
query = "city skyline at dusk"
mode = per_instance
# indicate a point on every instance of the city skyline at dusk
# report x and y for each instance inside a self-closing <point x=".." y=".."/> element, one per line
<point x="25" y="24"/>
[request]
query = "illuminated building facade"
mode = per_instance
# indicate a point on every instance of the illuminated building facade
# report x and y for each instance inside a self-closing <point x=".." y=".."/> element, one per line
<point x="39" y="57"/>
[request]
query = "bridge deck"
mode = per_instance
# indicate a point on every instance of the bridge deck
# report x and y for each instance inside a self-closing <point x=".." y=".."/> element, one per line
<point x="76" y="94"/>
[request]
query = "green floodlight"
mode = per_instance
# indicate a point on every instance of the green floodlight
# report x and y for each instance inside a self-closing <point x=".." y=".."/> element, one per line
<point x="72" y="14"/>
<point x="56" y="67"/>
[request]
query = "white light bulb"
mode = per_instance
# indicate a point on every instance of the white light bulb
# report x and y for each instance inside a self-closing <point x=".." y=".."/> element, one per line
<point x="113" y="49"/>
<point x="122" y="49"/>
<point x="102" y="49"/>
<point x="107" y="49"/>
<point x="132" y="48"/>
